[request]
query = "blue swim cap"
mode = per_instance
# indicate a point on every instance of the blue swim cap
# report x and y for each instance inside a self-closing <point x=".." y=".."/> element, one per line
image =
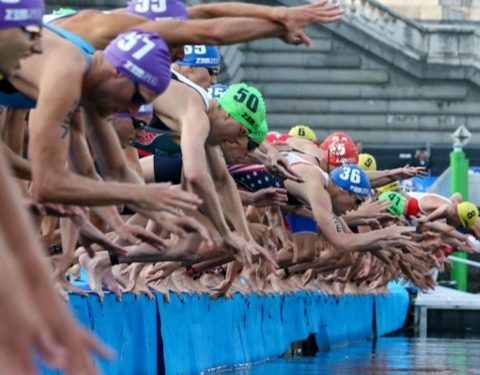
<point x="352" y="178"/>
<point x="202" y="56"/>
<point x="216" y="91"/>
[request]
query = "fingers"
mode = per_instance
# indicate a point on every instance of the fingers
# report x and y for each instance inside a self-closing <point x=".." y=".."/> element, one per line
<point x="305" y="39"/>
<point x="53" y="354"/>
<point x="152" y="239"/>
<point x="288" y="172"/>
<point x="89" y="249"/>
<point x="94" y="345"/>
<point x="113" y="247"/>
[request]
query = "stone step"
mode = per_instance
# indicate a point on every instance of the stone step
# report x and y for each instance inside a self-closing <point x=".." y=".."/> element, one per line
<point x="412" y="3"/>
<point x="365" y="91"/>
<point x="276" y="45"/>
<point x="284" y="59"/>
<point x="431" y="12"/>
<point x="381" y="123"/>
<point x="374" y="106"/>
<point x="301" y="75"/>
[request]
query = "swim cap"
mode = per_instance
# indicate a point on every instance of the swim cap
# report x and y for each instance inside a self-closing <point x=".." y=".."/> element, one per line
<point x="158" y="9"/>
<point x="216" y="91"/>
<point x="351" y="178"/>
<point x="145" y="110"/>
<point x="17" y="13"/>
<point x="367" y="162"/>
<point x="397" y="202"/>
<point x="245" y="104"/>
<point x="413" y="209"/>
<point x="392" y="186"/>
<point x="143" y="57"/>
<point x="339" y="149"/>
<point x="467" y="213"/>
<point x="303" y="131"/>
<point x="201" y="56"/>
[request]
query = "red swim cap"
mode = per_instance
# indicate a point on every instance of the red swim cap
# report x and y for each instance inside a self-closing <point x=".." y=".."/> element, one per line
<point x="412" y="208"/>
<point x="339" y="149"/>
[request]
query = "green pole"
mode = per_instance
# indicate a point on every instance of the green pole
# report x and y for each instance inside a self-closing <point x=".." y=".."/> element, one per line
<point x="459" y="184"/>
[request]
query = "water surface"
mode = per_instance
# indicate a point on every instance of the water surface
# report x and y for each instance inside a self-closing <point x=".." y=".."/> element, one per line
<point x="389" y="355"/>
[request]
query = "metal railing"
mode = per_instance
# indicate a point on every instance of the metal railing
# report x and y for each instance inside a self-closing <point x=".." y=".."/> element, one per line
<point x="464" y="261"/>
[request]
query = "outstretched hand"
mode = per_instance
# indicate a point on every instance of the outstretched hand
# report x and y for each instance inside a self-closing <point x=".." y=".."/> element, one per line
<point x="269" y="196"/>
<point x="295" y="19"/>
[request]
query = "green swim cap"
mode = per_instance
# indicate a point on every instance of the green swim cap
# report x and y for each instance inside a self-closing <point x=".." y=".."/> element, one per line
<point x="245" y="104"/>
<point x="397" y="202"/>
<point x="64" y="12"/>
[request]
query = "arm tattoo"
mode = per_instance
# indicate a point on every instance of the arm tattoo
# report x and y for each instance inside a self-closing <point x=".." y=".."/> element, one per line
<point x="66" y="122"/>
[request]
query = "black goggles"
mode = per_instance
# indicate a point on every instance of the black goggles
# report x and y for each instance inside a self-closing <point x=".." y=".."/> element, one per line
<point x="137" y="98"/>
<point x="139" y="124"/>
<point x="213" y="71"/>
<point x="359" y="200"/>
<point x="252" y="145"/>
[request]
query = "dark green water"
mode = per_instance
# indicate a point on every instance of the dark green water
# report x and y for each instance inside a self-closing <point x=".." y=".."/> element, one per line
<point x="389" y="355"/>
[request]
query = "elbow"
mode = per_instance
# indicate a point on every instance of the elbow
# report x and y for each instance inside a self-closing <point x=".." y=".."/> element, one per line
<point x="223" y="179"/>
<point x="342" y="246"/>
<point x="117" y="172"/>
<point x="195" y="179"/>
<point x="47" y="185"/>
<point x="44" y="192"/>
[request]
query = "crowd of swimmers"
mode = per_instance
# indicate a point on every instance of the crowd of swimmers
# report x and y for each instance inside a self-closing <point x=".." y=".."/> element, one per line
<point x="123" y="156"/>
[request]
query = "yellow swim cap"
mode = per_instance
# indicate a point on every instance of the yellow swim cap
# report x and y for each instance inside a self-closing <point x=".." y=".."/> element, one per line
<point x="467" y="213"/>
<point x="367" y="162"/>
<point x="303" y="131"/>
<point x="392" y="186"/>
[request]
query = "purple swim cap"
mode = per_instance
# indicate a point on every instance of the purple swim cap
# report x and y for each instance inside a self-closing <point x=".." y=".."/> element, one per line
<point x="143" y="57"/>
<point x="158" y="9"/>
<point x="17" y="13"/>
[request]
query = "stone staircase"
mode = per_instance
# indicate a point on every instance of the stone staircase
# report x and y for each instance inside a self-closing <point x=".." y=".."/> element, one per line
<point x="437" y="10"/>
<point x="376" y="74"/>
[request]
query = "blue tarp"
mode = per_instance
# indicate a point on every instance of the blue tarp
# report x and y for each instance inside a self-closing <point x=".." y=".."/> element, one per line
<point x="391" y="310"/>
<point x="192" y="334"/>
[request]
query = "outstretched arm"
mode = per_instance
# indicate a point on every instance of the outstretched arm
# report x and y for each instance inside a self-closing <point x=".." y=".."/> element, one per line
<point x="380" y="178"/>
<point x="442" y="212"/>
<point x="226" y="188"/>
<point x="249" y="22"/>
<point x="313" y="192"/>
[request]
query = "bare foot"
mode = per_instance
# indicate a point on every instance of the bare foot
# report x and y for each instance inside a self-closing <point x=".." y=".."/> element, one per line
<point x="274" y="284"/>
<point x="161" y="287"/>
<point x="172" y="287"/>
<point x="111" y="284"/>
<point x="94" y="267"/>
<point x="210" y="281"/>
<point x="69" y="288"/>
<point x="183" y="281"/>
<point x="239" y="285"/>
<point x="250" y="277"/>
<point x="75" y="272"/>
<point x="118" y="274"/>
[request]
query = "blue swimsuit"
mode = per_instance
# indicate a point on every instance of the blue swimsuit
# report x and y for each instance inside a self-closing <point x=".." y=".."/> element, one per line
<point x="11" y="97"/>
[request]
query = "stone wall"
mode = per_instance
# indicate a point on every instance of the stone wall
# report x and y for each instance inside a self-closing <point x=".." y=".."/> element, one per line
<point x="437" y="10"/>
